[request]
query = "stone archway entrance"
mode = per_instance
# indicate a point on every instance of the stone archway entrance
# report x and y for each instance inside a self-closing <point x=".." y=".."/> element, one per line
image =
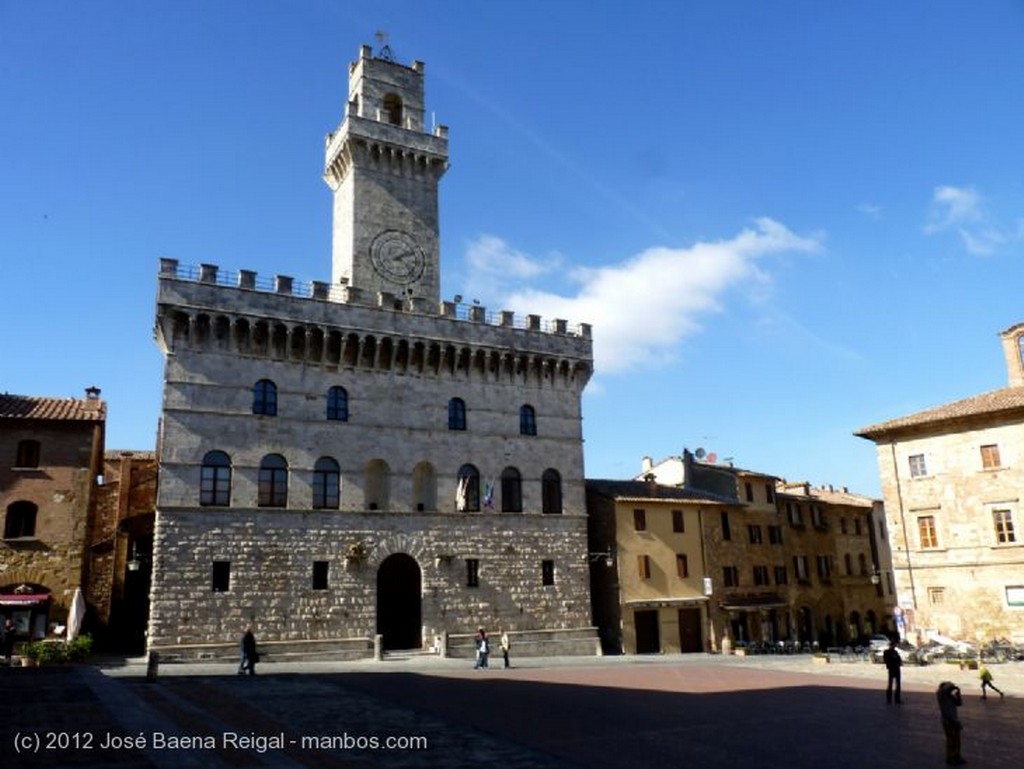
<point x="399" y="602"/>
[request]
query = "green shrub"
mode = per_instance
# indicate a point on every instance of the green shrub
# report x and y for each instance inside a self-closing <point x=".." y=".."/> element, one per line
<point x="79" y="649"/>
<point x="51" y="652"/>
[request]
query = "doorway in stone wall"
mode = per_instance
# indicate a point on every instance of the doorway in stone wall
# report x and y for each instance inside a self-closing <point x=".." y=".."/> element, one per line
<point x="399" y="602"/>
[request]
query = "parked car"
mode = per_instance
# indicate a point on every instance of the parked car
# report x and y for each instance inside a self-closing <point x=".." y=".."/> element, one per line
<point x="878" y="642"/>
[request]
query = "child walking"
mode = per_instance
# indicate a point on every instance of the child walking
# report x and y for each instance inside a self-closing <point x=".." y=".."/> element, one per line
<point x="986" y="682"/>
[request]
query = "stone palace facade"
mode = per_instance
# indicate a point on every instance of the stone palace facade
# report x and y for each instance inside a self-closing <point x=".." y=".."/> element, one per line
<point x="357" y="460"/>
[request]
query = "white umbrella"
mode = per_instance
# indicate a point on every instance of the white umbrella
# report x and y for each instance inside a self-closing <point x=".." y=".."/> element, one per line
<point x="76" y="615"/>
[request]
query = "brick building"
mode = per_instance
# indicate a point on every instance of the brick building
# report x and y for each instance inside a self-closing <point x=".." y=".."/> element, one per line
<point x="53" y="455"/>
<point x="952" y="476"/>
<point x="358" y="459"/>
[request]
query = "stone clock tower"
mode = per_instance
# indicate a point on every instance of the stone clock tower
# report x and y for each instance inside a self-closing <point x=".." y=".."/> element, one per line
<point x="384" y="168"/>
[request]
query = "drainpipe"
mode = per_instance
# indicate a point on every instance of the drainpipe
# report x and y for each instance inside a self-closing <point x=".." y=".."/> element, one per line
<point x="903" y="525"/>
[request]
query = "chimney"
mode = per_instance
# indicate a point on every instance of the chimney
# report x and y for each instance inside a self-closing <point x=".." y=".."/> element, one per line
<point x="92" y="393"/>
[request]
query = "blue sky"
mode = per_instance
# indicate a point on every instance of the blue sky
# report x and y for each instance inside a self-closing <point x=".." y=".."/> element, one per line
<point x="785" y="220"/>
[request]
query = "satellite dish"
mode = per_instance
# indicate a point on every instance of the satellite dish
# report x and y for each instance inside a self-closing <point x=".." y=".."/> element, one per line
<point x="712" y="457"/>
<point x="699" y="453"/>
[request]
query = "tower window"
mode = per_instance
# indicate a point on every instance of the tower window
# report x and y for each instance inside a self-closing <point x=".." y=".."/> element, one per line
<point x="393" y="109"/>
<point x="551" y="492"/>
<point x="337" y="404"/>
<point x="472" y="572"/>
<point x="547" y="572"/>
<point x="511" y="491"/>
<point x="320" y="571"/>
<point x="273" y="482"/>
<point x="215" y="479"/>
<point x="221" y="582"/>
<point x="527" y="420"/>
<point x="264" y="398"/>
<point x="326" y="484"/>
<point x="456" y="414"/>
<point x="467" y="491"/>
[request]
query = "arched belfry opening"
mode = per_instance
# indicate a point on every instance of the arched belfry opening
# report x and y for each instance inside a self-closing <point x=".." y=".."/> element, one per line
<point x="393" y="109"/>
<point x="399" y="602"/>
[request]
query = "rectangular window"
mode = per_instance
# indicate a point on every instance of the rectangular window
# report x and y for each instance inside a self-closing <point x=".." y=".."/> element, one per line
<point x="1015" y="595"/>
<point x="640" y="520"/>
<point x="547" y="572"/>
<point x="926" y="531"/>
<point x="990" y="456"/>
<point x="800" y="568"/>
<point x="761" y="575"/>
<point x="320" y="569"/>
<point x="818" y="518"/>
<point x="643" y="565"/>
<point x="795" y="514"/>
<point x="221" y="576"/>
<point x="917" y="466"/>
<point x="677" y="521"/>
<point x="769" y="492"/>
<point x="1003" y="520"/>
<point x="781" y="575"/>
<point x="849" y="564"/>
<point x="682" y="567"/>
<point x="754" y="532"/>
<point x="775" y="535"/>
<point x="824" y="568"/>
<point x="28" y="454"/>
<point x="936" y="595"/>
<point x="726" y="531"/>
<point x="730" y="576"/>
<point x="472" y="572"/>
<point x="749" y="489"/>
<point x="856" y="525"/>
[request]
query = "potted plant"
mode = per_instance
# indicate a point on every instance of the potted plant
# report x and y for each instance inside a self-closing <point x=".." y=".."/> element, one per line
<point x="30" y="653"/>
<point x="51" y="652"/>
<point x="79" y="648"/>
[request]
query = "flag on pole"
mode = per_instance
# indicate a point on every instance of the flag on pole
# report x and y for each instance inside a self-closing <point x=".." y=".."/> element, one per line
<point x="489" y="494"/>
<point x="460" y="495"/>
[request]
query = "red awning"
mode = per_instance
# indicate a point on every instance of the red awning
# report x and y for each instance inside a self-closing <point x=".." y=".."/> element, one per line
<point x="23" y="599"/>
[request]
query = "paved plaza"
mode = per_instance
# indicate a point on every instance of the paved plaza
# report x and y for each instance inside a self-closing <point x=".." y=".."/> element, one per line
<point x="692" y="710"/>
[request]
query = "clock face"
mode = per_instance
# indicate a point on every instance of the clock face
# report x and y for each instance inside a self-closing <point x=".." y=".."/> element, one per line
<point x="396" y="257"/>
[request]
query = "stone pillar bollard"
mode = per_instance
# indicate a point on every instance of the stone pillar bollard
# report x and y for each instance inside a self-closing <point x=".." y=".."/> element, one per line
<point x="152" y="666"/>
<point x="378" y="647"/>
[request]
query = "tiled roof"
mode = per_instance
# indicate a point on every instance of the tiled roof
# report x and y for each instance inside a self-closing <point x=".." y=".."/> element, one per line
<point x="56" y="409"/>
<point x="1003" y="400"/>
<point x="642" y="490"/>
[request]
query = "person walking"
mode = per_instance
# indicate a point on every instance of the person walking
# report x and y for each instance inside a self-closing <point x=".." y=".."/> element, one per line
<point x="249" y="654"/>
<point x="948" y="695"/>
<point x="505" y="646"/>
<point x="893" y="663"/>
<point x="482" y="649"/>
<point x="986" y="682"/>
<point x="9" y="633"/>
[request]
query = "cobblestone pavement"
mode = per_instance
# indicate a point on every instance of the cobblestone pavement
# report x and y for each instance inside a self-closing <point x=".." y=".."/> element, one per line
<point x="691" y="710"/>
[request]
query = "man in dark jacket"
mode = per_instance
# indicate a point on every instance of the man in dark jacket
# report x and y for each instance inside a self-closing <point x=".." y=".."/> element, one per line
<point x="949" y="698"/>
<point x="893" y="662"/>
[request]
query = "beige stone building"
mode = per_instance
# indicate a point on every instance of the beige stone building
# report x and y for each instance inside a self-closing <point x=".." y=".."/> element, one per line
<point x="647" y="566"/>
<point x="952" y="478"/>
<point x="354" y="460"/>
<point x="781" y="562"/>
<point x="52" y="452"/>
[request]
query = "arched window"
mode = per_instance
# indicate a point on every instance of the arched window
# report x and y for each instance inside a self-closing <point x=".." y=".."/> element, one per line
<point x="273" y="483"/>
<point x="456" y="414"/>
<point x="326" y="484"/>
<point x="28" y="454"/>
<point x="424" y="487"/>
<point x="393" y="109"/>
<point x="527" y="420"/>
<point x="467" y="491"/>
<point x="337" y="404"/>
<point x="511" y="491"/>
<point x="862" y="561"/>
<point x="551" y="492"/>
<point x="377" y="485"/>
<point x="20" y="520"/>
<point x="264" y="398"/>
<point x="215" y="479"/>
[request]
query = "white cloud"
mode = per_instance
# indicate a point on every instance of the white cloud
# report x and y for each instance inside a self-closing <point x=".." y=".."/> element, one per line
<point x="961" y="209"/>
<point x="952" y="206"/>
<point x="870" y="210"/>
<point x="644" y="307"/>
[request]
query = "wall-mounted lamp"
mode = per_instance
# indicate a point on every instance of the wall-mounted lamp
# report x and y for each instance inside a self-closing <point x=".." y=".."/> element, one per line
<point x="134" y="564"/>
<point x="608" y="556"/>
<point x="442" y="559"/>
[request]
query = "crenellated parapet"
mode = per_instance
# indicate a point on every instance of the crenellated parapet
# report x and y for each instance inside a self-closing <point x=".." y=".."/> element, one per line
<point x="206" y="309"/>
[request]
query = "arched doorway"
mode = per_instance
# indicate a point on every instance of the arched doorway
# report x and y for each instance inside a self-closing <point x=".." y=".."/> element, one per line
<point x="399" y="610"/>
